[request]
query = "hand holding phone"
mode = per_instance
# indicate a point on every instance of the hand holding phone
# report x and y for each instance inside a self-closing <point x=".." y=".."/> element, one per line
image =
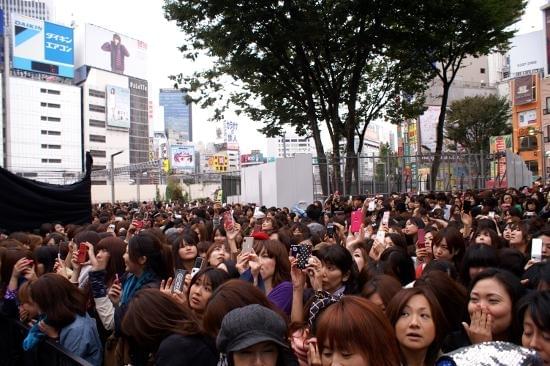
<point x="82" y="253"/>
<point x="248" y="243"/>
<point x="199" y="262"/>
<point x="179" y="280"/>
<point x="421" y="242"/>
<point x="357" y="218"/>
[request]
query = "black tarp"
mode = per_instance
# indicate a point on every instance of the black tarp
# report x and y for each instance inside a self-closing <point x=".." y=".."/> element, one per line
<point x="25" y="204"/>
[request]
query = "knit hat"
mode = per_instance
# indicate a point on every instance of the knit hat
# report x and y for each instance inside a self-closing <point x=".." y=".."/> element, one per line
<point x="249" y="325"/>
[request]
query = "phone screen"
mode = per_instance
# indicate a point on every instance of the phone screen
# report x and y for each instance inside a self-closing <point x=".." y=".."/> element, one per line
<point x="179" y="280"/>
<point x="356" y="220"/>
<point x="82" y="253"/>
<point x="248" y="244"/>
<point x="536" y="249"/>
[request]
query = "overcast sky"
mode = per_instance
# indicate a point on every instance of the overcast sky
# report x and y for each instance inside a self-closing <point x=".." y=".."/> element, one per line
<point x="144" y="20"/>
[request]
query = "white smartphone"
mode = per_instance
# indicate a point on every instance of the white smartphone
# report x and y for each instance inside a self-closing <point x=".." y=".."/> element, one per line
<point x="492" y="214"/>
<point x="386" y="218"/>
<point x="199" y="261"/>
<point x="536" y="249"/>
<point x="247" y="244"/>
<point x="380" y="236"/>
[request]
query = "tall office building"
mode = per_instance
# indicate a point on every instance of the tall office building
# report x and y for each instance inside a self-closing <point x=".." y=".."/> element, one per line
<point x="178" y="118"/>
<point x="43" y="10"/>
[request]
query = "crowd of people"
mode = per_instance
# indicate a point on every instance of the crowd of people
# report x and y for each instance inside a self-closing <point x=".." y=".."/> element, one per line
<point x="393" y="280"/>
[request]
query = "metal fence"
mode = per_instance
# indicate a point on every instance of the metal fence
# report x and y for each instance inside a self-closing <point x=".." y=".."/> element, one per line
<point x="385" y="174"/>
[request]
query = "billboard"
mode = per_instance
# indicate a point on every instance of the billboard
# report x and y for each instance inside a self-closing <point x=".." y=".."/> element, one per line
<point x="42" y="46"/>
<point x="111" y="51"/>
<point x="219" y="162"/>
<point x="428" y="127"/>
<point x="527" y="118"/>
<point x="499" y="144"/>
<point x="230" y="129"/>
<point x="524" y="90"/>
<point x="182" y="157"/>
<point x="118" y="106"/>
<point x="526" y="53"/>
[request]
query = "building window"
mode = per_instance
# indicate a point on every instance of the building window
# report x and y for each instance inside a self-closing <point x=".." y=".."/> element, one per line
<point x="97" y="123"/>
<point x="96" y="93"/>
<point x="482" y="70"/>
<point x="51" y="133"/>
<point x="48" y="146"/>
<point x="52" y="161"/>
<point x="99" y="182"/>
<point x="97" y="138"/>
<point x="533" y="166"/>
<point x="99" y="167"/>
<point x="96" y="108"/>
<point x="50" y="119"/>
<point x="98" y="153"/>
<point x="528" y="143"/>
<point x="50" y="91"/>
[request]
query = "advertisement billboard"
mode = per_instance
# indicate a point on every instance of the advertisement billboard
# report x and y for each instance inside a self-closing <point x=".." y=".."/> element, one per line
<point x="524" y="90"/>
<point x="111" y="51"/>
<point x="230" y="129"/>
<point x="42" y="46"/>
<point x="428" y="128"/>
<point x="182" y="157"/>
<point x="527" y="118"/>
<point x="219" y="162"/>
<point x="118" y="106"/>
<point x="527" y="53"/>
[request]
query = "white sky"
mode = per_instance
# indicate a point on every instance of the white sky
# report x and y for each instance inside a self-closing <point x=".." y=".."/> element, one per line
<point x="144" y="20"/>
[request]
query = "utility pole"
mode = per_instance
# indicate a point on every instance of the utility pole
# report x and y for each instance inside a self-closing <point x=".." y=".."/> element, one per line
<point x="113" y="175"/>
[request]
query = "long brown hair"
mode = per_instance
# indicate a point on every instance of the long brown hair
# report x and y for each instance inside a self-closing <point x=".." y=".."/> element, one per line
<point x="58" y="299"/>
<point x="116" y="248"/>
<point x="276" y="250"/>
<point x="153" y="315"/>
<point x="356" y="324"/>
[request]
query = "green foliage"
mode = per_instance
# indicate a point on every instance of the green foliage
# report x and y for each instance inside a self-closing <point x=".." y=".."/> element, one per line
<point x="158" y="198"/>
<point x="387" y="162"/>
<point x="473" y="120"/>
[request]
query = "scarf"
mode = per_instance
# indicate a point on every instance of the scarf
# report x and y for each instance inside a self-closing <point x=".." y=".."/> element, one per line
<point x="321" y="301"/>
<point x="133" y="284"/>
<point x="34" y="336"/>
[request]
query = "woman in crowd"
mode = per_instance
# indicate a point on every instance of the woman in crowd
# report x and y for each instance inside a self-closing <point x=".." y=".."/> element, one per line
<point x="62" y="309"/>
<point x="254" y="335"/>
<point x="184" y="250"/>
<point x="201" y="288"/>
<point x="533" y="312"/>
<point x="448" y="245"/>
<point x="269" y="269"/>
<point x="354" y="332"/>
<point x="420" y="325"/>
<point x="478" y="257"/>
<point x="156" y="324"/>
<point x="494" y="294"/>
<point x="381" y="289"/>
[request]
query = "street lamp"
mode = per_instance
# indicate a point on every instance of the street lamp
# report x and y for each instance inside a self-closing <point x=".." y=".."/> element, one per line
<point x="113" y="175"/>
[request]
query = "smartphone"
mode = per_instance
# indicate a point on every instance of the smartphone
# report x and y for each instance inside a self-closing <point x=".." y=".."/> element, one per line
<point x="117" y="279"/>
<point x="82" y="253"/>
<point x="372" y="206"/>
<point x="536" y="249"/>
<point x="179" y="280"/>
<point x="294" y="250"/>
<point x="304" y="253"/>
<point x="228" y="221"/>
<point x="467" y="206"/>
<point x="197" y="266"/>
<point x="380" y="236"/>
<point x="356" y="220"/>
<point x="330" y="229"/>
<point x="386" y="218"/>
<point x="248" y="244"/>
<point x="492" y="214"/>
<point x="421" y="239"/>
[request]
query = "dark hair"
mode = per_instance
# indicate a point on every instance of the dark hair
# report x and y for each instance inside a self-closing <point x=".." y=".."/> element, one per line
<point x="87" y="236"/>
<point x="215" y="277"/>
<point x="187" y="237"/>
<point x="340" y="257"/>
<point x="116" y="248"/>
<point x="537" y="304"/>
<point x="442" y="266"/>
<point x="314" y="212"/>
<point x="276" y="250"/>
<point x="477" y="255"/>
<point x="455" y="243"/>
<point x="398" y="303"/>
<point x="153" y="315"/>
<point x="159" y="257"/>
<point x="8" y="258"/>
<point x="394" y="261"/>
<point x="512" y="260"/>
<point x="231" y="295"/>
<point x="58" y="299"/>
<point x="385" y="286"/>
<point x="496" y="241"/>
<point x="398" y="240"/>
<point x="417" y="221"/>
<point x="46" y="255"/>
<point x="356" y="324"/>
<point x="513" y="287"/>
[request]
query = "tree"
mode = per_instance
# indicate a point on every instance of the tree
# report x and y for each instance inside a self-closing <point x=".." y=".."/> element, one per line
<point x="473" y="120"/>
<point x="300" y="63"/>
<point x="443" y="33"/>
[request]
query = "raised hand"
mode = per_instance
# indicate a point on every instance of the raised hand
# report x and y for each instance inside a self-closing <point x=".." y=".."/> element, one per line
<point x="115" y="293"/>
<point x="480" y="326"/>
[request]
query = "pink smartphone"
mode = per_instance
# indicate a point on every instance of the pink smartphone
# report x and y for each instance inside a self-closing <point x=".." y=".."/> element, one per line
<point x="421" y="238"/>
<point x="356" y="220"/>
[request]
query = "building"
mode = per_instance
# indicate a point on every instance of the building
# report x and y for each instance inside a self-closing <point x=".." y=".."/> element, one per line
<point x="178" y="117"/>
<point x="289" y="145"/>
<point x="45" y="138"/>
<point x="43" y="10"/>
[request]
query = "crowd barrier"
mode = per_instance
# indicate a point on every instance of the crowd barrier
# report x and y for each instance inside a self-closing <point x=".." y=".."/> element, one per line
<point x="48" y="353"/>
